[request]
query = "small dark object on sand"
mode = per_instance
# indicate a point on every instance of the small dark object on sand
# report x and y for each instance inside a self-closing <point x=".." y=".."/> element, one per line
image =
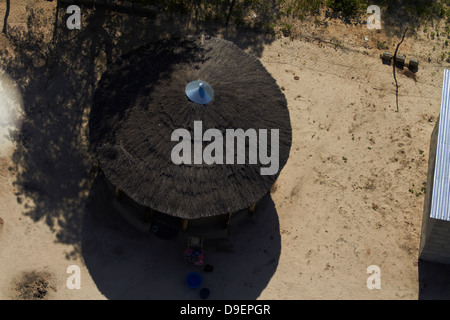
<point x="204" y="293"/>
<point x="208" y="268"/>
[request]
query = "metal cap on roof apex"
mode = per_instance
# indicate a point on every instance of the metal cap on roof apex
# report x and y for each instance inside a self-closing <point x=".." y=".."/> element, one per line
<point x="199" y="92"/>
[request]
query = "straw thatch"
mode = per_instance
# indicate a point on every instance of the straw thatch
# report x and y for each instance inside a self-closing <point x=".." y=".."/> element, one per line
<point x="141" y="100"/>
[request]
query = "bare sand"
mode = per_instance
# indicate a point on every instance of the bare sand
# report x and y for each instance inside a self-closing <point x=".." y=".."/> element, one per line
<point x="350" y="196"/>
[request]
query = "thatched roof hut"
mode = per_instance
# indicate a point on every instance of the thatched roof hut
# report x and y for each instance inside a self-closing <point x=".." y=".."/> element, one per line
<point x="141" y="100"/>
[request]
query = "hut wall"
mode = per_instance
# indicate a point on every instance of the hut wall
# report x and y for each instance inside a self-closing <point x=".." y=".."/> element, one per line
<point x="429" y="188"/>
<point x="436" y="248"/>
<point x="208" y="227"/>
<point x="435" y="235"/>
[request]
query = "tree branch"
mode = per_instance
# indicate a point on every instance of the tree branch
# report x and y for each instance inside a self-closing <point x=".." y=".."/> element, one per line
<point x="5" y="21"/>
<point x="229" y="15"/>
<point x="393" y="66"/>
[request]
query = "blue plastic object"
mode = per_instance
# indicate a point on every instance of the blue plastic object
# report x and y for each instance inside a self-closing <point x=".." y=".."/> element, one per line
<point x="194" y="280"/>
<point x="199" y="92"/>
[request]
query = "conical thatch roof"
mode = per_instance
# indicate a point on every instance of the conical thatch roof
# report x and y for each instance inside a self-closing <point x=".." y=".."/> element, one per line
<point x="141" y="100"/>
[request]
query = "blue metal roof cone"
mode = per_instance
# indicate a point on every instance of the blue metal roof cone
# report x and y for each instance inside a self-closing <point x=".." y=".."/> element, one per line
<point x="199" y="92"/>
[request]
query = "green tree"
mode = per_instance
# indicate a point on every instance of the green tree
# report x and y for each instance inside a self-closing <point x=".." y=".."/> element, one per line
<point x="348" y="8"/>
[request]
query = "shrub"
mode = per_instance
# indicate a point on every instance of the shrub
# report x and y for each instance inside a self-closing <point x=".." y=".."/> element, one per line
<point x="348" y="8"/>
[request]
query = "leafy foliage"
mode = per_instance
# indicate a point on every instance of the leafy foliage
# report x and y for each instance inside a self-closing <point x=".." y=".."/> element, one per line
<point x="348" y="8"/>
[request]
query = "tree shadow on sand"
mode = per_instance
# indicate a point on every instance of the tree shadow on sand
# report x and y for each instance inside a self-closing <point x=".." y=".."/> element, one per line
<point x="126" y="264"/>
<point x="57" y="72"/>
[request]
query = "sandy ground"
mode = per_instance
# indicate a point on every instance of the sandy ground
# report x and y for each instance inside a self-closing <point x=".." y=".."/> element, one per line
<point x="349" y="197"/>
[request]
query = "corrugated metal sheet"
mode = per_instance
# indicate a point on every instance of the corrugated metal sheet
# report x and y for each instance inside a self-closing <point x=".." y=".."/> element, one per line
<point x="440" y="200"/>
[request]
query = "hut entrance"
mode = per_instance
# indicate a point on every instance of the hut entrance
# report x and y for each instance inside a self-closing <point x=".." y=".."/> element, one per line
<point x="164" y="226"/>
